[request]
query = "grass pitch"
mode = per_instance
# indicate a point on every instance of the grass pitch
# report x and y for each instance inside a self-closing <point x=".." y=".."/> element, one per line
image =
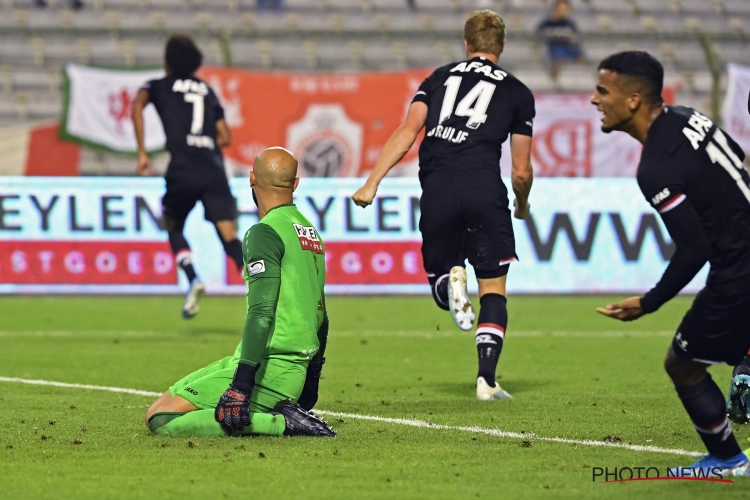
<point x="574" y="374"/>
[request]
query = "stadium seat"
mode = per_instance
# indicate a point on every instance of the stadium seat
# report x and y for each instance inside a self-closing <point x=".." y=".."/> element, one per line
<point x="339" y="56"/>
<point x="381" y="54"/>
<point x="149" y="52"/>
<point x="293" y="55"/>
<point x="254" y="54"/>
<point x="107" y="52"/>
<point x="741" y="7"/>
<point x="389" y="5"/>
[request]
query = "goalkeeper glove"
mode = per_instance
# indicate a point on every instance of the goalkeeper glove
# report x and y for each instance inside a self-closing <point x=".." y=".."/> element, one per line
<point x="233" y="410"/>
<point x="309" y="395"/>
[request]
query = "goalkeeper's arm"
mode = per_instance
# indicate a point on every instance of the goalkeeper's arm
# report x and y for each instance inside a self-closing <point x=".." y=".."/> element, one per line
<point x="309" y="395"/>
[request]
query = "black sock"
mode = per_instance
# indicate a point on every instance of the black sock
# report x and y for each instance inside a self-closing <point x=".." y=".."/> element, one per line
<point x="184" y="259"/>
<point x="493" y="319"/>
<point x="743" y="368"/>
<point x="705" y="405"/>
<point x="439" y="289"/>
<point x="234" y="250"/>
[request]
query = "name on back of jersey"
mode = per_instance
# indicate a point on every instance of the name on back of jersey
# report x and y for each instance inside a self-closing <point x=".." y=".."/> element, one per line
<point x="450" y="134"/>
<point x="308" y="238"/>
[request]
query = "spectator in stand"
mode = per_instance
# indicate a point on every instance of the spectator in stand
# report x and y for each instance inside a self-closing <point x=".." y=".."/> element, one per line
<point x="270" y="4"/>
<point x="561" y="35"/>
<point x="74" y="4"/>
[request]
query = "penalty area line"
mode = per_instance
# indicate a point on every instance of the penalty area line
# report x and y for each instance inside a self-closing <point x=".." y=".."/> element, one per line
<point x="397" y="421"/>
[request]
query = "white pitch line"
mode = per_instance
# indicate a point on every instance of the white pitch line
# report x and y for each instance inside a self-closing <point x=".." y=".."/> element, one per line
<point x="123" y="390"/>
<point x="346" y="333"/>
<point x="397" y="421"/>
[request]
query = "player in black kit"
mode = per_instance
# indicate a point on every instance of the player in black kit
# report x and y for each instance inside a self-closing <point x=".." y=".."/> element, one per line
<point x="469" y="109"/>
<point x="194" y="124"/>
<point x="692" y="174"/>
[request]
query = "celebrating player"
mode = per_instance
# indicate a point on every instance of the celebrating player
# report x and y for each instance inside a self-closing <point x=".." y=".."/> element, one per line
<point x="469" y="108"/>
<point x="280" y="358"/>
<point x="194" y="124"/>
<point x="691" y="172"/>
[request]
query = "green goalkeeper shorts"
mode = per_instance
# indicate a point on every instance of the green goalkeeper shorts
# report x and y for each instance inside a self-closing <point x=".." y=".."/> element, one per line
<point x="277" y="379"/>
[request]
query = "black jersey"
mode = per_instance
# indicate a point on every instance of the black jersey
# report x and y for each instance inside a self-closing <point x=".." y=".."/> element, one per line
<point x="472" y="108"/>
<point x="189" y="110"/>
<point x="692" y="174"/>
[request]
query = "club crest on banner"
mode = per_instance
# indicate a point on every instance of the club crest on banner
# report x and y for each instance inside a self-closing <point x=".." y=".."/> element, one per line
<point x="326" y="141"/>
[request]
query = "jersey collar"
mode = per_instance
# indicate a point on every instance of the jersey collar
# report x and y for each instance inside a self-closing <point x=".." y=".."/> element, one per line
<point x="281" y="206"/>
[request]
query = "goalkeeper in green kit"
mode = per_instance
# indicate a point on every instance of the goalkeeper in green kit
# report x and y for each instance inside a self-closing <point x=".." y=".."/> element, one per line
<point x="271" y="382"/>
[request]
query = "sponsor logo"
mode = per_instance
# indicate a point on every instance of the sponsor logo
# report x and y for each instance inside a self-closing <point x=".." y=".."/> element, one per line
<point x="191" y="391"/>
<point x="256" y="267"/>
<point x="699" y="127"/>
<point x="663" y="195"/>
<point x="682" y="343"/>
<point x="308" y="238"/>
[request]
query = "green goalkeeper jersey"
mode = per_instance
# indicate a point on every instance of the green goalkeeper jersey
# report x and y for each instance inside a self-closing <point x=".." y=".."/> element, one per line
<point x="284" y="274"/>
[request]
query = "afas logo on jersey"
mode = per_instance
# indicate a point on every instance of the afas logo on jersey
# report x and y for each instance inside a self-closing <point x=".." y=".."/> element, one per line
<point x="663" y="195"/>
<point x="256" y="267"/>
<point x="308" y="238"/>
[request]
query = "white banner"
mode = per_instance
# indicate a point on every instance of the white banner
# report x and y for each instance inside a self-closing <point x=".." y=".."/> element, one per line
<point x="97" y="108"/>
<point x="103" y="235"/>
<point x="569" y="142"/>
<point x="735" y="113"/>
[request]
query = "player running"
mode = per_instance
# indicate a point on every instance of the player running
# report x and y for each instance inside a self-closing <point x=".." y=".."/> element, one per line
<point x="469" y="109"/>
<point x="279" y="361"/>
<point x="194" y="124"/>
<point x="691" y="172"/>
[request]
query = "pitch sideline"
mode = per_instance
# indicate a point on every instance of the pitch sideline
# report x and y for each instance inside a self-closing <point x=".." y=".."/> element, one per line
<point x="397" y="421"/>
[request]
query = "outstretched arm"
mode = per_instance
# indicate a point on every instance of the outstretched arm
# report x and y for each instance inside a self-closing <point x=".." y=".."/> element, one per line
<point x="140" y="102"/>
<point x="692" y="252"/>
<point x="394" y="150"/>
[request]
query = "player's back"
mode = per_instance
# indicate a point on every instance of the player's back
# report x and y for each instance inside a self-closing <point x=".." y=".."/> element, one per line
<point x="300" y="308"/>
<point x="189" y="110"/>
<point x="687" y="157"/>
<point x="473" y="106"/>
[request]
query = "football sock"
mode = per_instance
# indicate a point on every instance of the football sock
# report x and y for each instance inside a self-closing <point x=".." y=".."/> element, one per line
<point x="203" y="423"/>
<point x="743" y="368"/>
<point x="705" y="405"/>
<point x="181" y="251"/>
<point x="493" y="319"/>
<point x="439" y="289"/>
<point x="234" y="250"/>
<point x="184" y="259"/>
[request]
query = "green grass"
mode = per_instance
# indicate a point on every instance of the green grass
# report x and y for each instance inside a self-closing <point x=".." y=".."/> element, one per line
<point x="392" y="357"/>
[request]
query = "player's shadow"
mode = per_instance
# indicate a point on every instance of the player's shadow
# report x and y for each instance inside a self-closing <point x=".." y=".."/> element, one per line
<point x="515" y="386"/>
<point x="197" y="332"/>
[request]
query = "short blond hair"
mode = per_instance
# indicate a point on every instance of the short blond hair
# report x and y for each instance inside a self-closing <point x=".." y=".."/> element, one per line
<point x="484" y="31"/>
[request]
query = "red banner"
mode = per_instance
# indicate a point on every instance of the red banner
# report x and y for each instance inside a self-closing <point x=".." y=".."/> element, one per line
<point x="377" y="262"/>
<point x="335" y="124"/>
<point x="89" y="262"/>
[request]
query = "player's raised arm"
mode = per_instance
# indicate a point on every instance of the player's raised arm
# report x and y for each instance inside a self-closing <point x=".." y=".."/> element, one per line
<point x="223" y="134"/>
<point x="394" y="150"/>
<point x="522" y="174"/>
<point x="141" y="101"/>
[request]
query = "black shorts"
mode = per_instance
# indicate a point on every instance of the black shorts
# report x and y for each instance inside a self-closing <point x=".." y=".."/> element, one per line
<point x="715" y="329"/>
<point x="212" y="190"/>
<point x="466" y="216"/>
